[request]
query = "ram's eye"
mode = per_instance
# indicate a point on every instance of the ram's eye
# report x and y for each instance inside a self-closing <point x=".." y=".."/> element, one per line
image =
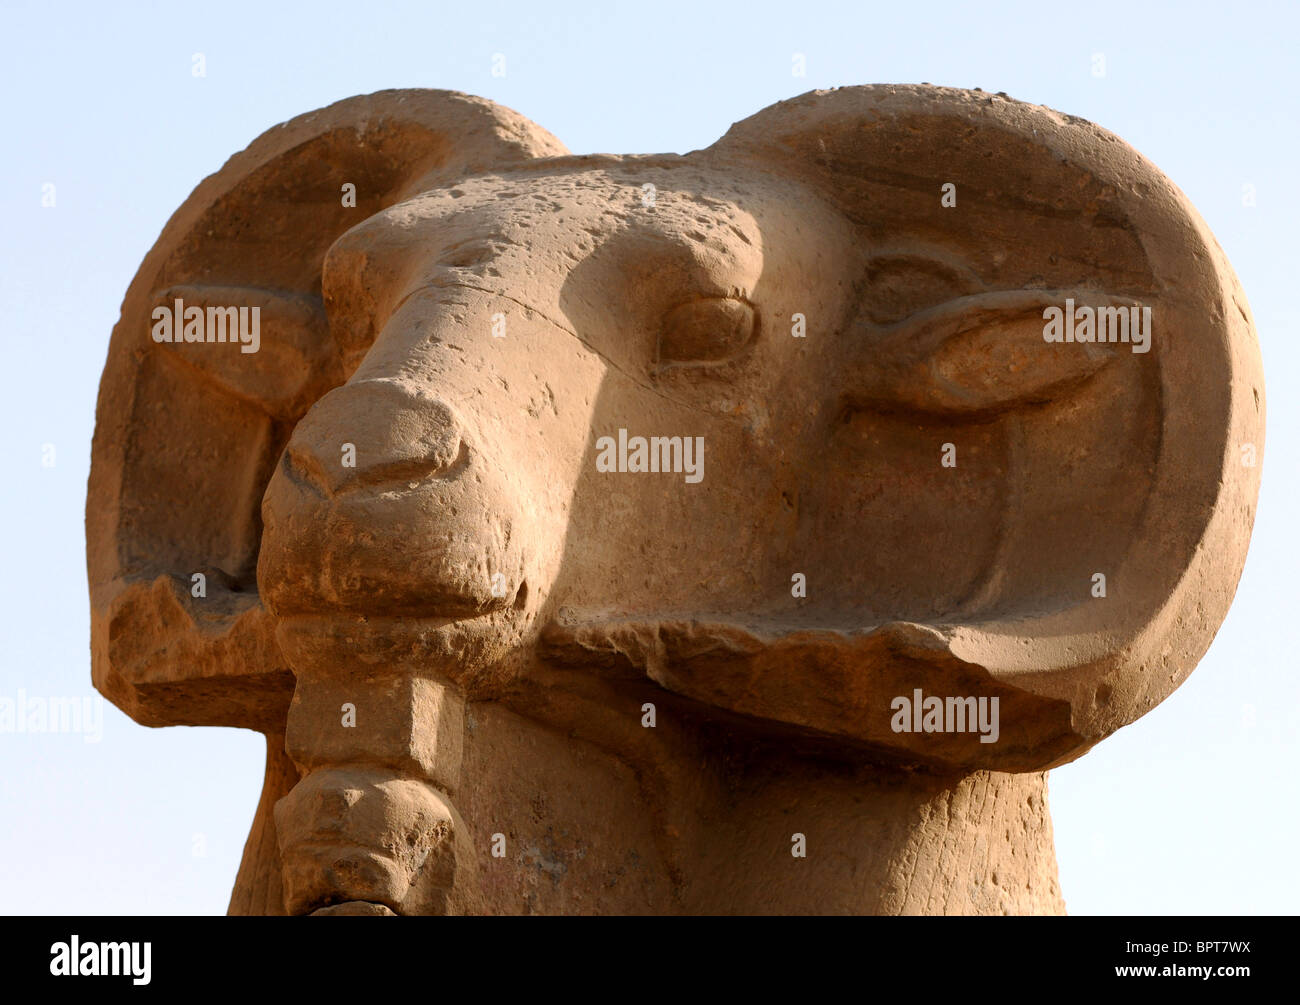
<point x="711" y="330"/>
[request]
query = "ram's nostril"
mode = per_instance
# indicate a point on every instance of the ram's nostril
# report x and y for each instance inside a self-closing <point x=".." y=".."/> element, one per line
<point x="443" y="448"/>
<point x="304" y="467"/>
<point x="375" y="433"/>
<point x="411" y="471"/>
<point x="521" y="596"/>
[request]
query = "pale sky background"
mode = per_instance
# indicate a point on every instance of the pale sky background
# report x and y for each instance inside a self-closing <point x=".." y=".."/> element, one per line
<point x="1193" y="809"/>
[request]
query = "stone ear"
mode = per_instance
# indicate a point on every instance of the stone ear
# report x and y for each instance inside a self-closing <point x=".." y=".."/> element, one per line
<point x="187" y="431"/>
<point x="978" y="355"/>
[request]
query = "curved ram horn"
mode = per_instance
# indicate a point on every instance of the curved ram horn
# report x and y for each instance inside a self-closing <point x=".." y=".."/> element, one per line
<point x="1043" y="204"/>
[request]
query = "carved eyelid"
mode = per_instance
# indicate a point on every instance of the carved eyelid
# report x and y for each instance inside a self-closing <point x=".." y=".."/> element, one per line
<point x="707" y="330"/>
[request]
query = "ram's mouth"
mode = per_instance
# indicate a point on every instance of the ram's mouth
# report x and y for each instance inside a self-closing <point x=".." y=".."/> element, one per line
<point x="420" y="641"/>
<point x="372" y="555"/>
<point x="431" y="602"/>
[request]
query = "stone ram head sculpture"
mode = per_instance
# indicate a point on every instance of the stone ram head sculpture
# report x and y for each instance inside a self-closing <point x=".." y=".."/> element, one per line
<point x="578" y="521"/>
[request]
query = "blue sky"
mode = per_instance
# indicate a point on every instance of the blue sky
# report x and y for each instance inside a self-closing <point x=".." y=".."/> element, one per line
<point x="1191" y="809"/>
